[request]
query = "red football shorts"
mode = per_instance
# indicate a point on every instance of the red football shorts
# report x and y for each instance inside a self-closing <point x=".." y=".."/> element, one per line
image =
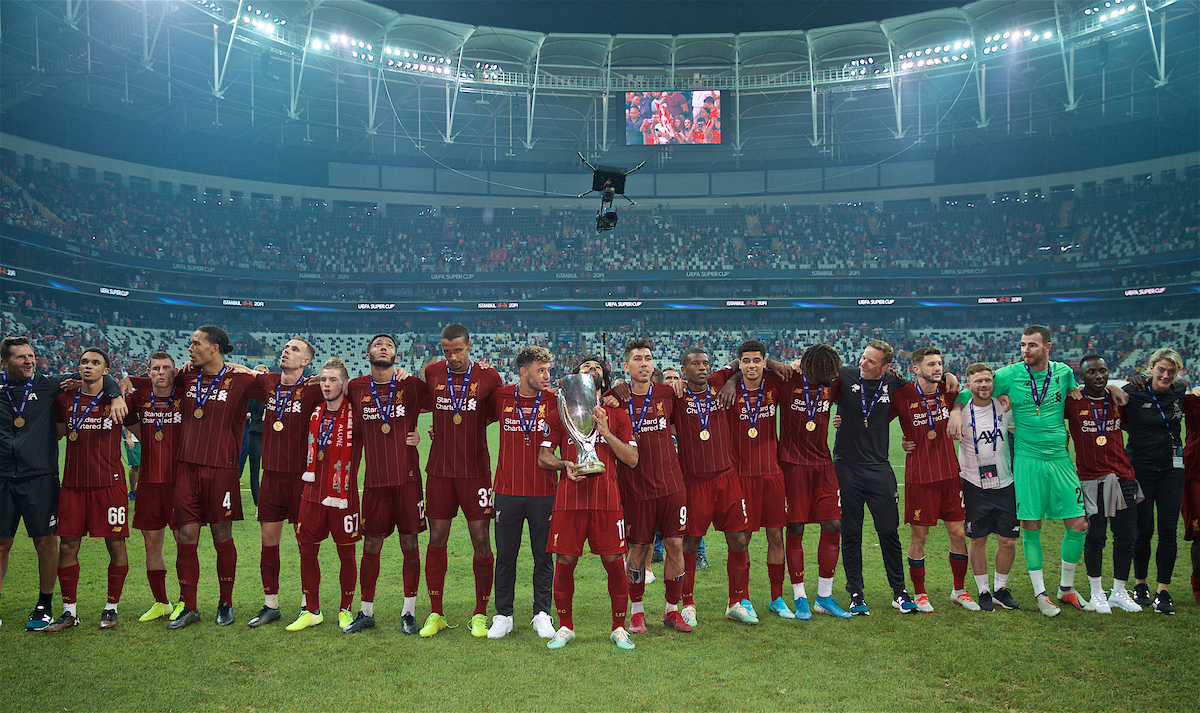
<point x="279" y="496"/>
<point x="604" y="530"/>
<point x="206" y="495"/>
<point x="926" y="503"/>
<point x="319" y="521"/>
<point x="154" y="506"/>
<point x="715" y="501"/>
<point x="766" y="504"/>
<point x="393" y="507"/>
<point x="444" y="496"/>
<point x="99" y="512"/>
<point x="668" y="515"/>
<point x="812" y="493"/>
<point x="1191" y="509"/>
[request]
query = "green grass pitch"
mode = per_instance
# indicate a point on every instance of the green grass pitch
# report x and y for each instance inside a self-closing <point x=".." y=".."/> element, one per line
<point x="948" y="660"/>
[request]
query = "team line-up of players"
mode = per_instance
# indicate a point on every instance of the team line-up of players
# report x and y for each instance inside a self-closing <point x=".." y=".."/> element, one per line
<point x="683" y="449"/>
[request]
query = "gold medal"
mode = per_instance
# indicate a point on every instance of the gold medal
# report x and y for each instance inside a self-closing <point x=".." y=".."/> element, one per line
<point x="527" y="440"/>
<point x="386" y="428"/>
<point x="278" y="426"/>
<point x="19" y="421"/>
<point x="158" y="435"/>
<point x="752" y="432"/>
<point x="320" y="455"/>
<point x="810" y="426"/>
<point x="73" y="435"/>
<point x="705" y="435"/>
<point x="1101" y="441"/>
<point x="198" y="413"/>
<point x="931" y="435"/>
<point x="457" y="418"/>
<point x="865" y="424"/>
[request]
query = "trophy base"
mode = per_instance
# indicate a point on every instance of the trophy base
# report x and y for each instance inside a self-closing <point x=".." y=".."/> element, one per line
<point x="590" y="469"/>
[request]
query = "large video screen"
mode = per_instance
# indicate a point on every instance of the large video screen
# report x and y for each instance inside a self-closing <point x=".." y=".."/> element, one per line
<point x="662" y="118"/>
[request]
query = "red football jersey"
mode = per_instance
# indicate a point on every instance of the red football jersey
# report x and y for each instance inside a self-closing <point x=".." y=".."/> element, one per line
<point x="517" y="471"/>
<point x="699" y="458"/>
<point x="797" y="444"/>
<point x="158" y="457"/>
<point x="94" y="459"/>
<point x="759" y="455"/>
<point x="657" y="474"/>
<point x="460" y="450"/>
<point x="598" y="492"/>
<point x="215" y="439"/>
<point x="934" y="460"/>
<point x="390" y="461"/>
<point x="286" y="451"/>
<point x="1091" y="459"/>
<point x="1191" y="446"/>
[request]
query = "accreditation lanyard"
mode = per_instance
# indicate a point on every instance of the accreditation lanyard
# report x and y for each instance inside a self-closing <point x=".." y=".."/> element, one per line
<point x="975" y="431"/>
<point x="1166" y="421"/>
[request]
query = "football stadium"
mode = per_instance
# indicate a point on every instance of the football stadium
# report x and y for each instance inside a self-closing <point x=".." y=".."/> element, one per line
<point x="563" y="321"/>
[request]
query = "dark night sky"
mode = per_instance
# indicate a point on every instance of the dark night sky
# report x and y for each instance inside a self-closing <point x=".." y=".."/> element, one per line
<point x="665" y="17"/>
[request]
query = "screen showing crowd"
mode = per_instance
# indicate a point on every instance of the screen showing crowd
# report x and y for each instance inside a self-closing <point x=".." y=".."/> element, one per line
<point x="661" y="118"/>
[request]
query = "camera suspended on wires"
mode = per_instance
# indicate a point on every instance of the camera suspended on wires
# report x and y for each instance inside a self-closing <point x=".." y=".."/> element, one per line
<point x="609" y="182"/>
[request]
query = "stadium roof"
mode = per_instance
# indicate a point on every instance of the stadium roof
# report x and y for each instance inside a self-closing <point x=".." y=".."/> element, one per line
<point x="360" y="80"/>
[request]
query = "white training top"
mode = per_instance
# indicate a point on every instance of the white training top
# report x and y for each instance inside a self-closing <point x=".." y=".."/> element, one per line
<point x="991" y="439"/>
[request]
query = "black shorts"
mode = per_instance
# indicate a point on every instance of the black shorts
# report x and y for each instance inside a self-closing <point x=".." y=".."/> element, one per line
<point x="991" y="511"/>
<point x="35" y="499"/>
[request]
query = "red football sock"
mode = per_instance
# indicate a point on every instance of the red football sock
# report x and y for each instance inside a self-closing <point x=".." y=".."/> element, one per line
<point x="775" y="578"/>
<point x="226" y="569"/>
<point x="268" y="566"/>
<point x="737" y="568"/>
<point x="187" y="568"/>
<point x="485" y="570"/>
<point x="564" y="593"/>
<point x="116" y="581"/>
<point x="689" y="580"/>
<point x="158" y="584"/>
<point x="435" y="577"/>
<point x="310" y="576"/>
<point x="1196" y="588"/>
<point x="674" y="589"/>
<point x="347" y="574"/>
<point x="618" y="592"/>
<point x="958" y="567"/>
<point x="68" y="582"/>
<point x="412" y="571"/>
<point x="637" y="590"/>
<point x="916" y="571"/>
<point x="368" y="576"/>
<point x="795" y="559"/>
<point x="828" y="548"/>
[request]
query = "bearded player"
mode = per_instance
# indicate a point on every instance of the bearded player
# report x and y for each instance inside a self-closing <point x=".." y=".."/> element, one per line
<point x="460" y="472"/>
<point x="652" y="494"/>
<point x="386" y="404"/>
<point x="289" y="402"/>
<point x="589" y="509"/>
<point x="932" y="488"/>
<point x="329" y="503"/>
<point x="94" y="499"/>
<point x="158" y="425"/>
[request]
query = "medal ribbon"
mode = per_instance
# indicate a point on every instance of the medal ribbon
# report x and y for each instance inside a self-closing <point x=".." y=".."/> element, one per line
<point x="1166" y="421"/>
<point x="975" y="432"/>
<point x="862" y="395"/>
<point x="1102" y="419"/>
<point x="76" y="421"/>
<point x="286" y="401"/>
<point x="638" y="420"/>
<point x="705" y="414"/>
<point x="810" y="407"/>
<point x="527" y="428"/>
<point x="1037" y="400"/>
<point x="323" y="433"/>
<point x="384" y="414"/>
<point x="18" y="410"/>
<point x="458" y="399"/>
<point x="160" y="416"/>
<point x="925" y="403"/>
<point x="201" y="400"/>
<point x="757" y="402"/>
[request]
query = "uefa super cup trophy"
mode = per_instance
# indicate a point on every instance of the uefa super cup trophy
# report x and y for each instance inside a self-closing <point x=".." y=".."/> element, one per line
<point x="576" y="399"/>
